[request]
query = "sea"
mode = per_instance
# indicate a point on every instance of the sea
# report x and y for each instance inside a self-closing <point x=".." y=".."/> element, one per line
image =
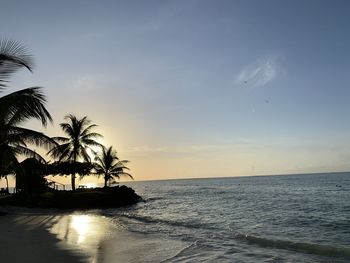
<point x="287" y="218"/>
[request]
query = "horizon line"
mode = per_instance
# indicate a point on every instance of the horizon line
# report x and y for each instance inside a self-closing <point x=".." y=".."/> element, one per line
<point x="235" y="176"/>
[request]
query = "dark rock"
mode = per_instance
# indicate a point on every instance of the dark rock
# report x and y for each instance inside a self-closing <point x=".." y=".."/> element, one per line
<point x="81" y="199"/>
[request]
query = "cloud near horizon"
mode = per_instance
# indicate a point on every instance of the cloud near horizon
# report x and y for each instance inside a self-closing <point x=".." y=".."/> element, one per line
<point x="258" y="74"/>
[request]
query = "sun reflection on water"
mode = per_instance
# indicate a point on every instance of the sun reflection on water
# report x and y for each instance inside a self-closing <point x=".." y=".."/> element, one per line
<point x="88" y="185"/>
<point x="84" y="231"/>
<point x="82" y="225"/>
<point x="81" y="229"/>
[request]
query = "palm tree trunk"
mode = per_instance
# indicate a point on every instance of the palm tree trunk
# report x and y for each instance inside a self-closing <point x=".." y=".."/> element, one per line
<point x="73" y="174"/>
<point x="73" y="182"/>
<point x="106" y="180"/>
<point x="7" y="183"/>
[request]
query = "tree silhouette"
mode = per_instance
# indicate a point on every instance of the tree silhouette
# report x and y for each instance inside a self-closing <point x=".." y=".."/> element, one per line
<point x="109" y="165"/>
<point x="18" y="107"/>
<point x="80" y="138"/>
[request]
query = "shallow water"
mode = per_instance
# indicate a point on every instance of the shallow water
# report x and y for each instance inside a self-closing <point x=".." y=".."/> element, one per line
<point x="294" y="218"/>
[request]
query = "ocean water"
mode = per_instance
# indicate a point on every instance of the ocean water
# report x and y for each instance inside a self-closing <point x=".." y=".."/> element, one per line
<point x="290" y="218"/>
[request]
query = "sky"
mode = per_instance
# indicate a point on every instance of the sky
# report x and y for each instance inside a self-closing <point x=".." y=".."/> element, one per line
<point x="191" y="88"/>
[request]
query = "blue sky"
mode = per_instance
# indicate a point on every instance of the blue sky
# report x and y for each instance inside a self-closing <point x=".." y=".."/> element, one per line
<point x="197" y="88"/>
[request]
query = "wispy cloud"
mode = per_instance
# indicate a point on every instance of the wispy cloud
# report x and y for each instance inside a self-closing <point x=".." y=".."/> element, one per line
<point x="258" y="74"/>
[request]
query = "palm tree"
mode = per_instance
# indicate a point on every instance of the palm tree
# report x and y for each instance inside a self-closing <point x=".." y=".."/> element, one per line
<point x="109" y="165"/>
<point x="17" y="107"/>
<point x="78" y="142"/>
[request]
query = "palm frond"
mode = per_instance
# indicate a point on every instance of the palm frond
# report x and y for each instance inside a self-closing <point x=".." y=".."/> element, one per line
<point x="34" y="137"/>
<point x="61" y="152"/>
<point x="13" y="56"/>
<point x="87" y="130"/>
<point x="91" y="143"/>
<point x="30" y="153"/>
<point x="60" y="139"/>
<point x="84" y="154"/>
<point x="24" y="104"/>
<point x="67" y="128"/>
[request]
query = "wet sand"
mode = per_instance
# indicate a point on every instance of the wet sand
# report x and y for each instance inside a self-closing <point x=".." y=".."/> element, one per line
<point x="25" y="239"/>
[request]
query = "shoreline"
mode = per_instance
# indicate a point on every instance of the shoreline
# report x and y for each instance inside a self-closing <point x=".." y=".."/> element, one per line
<point x="41" y="236"/>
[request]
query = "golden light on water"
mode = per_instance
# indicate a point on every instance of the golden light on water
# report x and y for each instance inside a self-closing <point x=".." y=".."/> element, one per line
<point x="82" y="225"/>
<point x="85" y="230"/>
<point x="88" y="185"/>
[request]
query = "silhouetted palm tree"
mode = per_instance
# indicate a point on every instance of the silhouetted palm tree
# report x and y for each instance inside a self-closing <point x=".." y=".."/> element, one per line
<point x="109" y="165"/>
<point x="79" y="140"/>
<point x="17" y="107"/>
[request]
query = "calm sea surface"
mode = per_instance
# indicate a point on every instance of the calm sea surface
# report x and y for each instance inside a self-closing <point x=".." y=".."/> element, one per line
<point x="293" y="218"/>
